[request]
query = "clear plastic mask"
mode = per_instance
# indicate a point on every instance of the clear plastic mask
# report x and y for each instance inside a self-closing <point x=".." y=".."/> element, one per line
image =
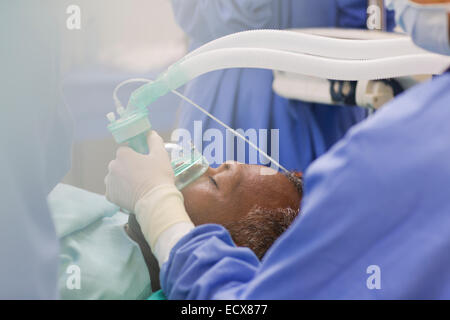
<point x="187" y="163"/>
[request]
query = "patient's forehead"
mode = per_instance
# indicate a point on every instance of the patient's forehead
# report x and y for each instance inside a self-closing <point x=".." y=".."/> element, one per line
<point x="254" y="169"/>
<point x="261" y="170"/>
<point x="272" y="188"/>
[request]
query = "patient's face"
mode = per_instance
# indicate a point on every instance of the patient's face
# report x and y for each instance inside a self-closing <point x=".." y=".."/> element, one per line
<point x="229" y="192"/>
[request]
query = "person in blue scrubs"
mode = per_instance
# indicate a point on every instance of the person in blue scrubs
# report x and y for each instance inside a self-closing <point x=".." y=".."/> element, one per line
<point x="374" y="218"/>
<point x="379" y="198"/>
<point x="243" y="98"/>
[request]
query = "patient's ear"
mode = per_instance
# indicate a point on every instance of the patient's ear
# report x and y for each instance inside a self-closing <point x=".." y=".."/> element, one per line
<point x="133" y="230"/>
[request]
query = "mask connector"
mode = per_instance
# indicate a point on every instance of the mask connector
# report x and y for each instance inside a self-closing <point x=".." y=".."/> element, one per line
<point x="131" y="128"/>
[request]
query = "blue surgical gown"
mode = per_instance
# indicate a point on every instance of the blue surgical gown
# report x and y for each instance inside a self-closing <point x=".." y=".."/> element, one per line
<point x="35" y="143"/>
<point x="243" y="98"/>
<point x="379" y="197"/>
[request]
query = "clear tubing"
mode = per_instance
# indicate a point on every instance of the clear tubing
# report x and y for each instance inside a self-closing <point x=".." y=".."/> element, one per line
<point x="231" y="130"/>
<point x="117" y="102"/>
<point x="237" y="134"/>
<point x="337" y="48"/>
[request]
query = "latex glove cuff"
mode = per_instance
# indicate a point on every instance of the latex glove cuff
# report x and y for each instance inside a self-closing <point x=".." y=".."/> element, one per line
<point x="160" y="209"/>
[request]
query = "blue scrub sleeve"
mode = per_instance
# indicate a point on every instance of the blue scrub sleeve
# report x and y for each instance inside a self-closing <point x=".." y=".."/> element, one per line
<point x="203" y="265"/>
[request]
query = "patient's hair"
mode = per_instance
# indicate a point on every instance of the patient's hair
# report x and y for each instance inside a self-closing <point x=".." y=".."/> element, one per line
<point x="259" y="229"/>
<point x="296" y="178"/>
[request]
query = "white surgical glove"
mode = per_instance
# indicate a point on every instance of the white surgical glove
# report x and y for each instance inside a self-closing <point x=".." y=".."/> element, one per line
<point x="145" y="185"/>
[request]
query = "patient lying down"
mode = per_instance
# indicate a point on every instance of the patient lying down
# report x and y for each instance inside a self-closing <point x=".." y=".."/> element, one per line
<point x="255" y="208"/>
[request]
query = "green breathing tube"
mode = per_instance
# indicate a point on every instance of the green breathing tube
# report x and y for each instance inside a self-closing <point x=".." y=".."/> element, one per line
<point x="133" y="126"/>
<point x="145" y="95"/>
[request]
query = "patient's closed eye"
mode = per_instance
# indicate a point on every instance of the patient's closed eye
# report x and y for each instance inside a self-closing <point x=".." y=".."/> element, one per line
<point x="213" y="181"/>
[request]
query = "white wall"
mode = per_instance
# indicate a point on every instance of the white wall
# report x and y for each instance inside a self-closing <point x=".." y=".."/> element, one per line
<point x="131" y="35"/>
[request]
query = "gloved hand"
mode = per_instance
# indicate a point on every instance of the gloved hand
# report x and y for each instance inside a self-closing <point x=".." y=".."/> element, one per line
<point x="145" y="185"/>
<point x="131" y="175"/>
